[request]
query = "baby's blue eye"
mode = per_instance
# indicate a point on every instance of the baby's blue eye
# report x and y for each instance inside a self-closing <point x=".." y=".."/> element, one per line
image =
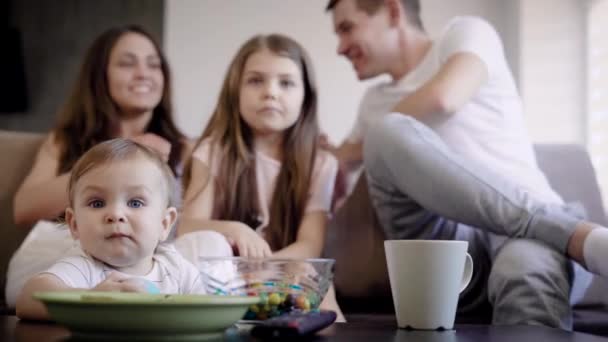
<point x="135" y="203"/>
<point x="96" y="204"/>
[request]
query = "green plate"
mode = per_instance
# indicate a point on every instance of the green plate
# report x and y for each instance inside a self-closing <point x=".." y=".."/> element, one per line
<point x="139" y="316"/>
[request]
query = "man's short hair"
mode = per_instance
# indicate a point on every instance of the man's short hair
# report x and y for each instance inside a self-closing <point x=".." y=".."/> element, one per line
<point x="411" y="7"/>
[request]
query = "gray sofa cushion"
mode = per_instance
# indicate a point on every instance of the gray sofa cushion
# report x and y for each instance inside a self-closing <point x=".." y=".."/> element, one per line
<point x="571" y="174"/>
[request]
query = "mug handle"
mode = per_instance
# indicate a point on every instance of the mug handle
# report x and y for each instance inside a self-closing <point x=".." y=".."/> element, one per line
<point x="468" y="272"/>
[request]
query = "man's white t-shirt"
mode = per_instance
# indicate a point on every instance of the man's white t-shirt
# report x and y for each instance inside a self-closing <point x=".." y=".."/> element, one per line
<point x="171" y="272"/>
<point x="490" y="128"/>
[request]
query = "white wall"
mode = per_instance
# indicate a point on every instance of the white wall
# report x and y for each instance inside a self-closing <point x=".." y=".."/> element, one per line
<point x="201" y="37"/>
<point x="509" y="27"/>
<point x="553" y="68"/>
<point x="542" y="41"/>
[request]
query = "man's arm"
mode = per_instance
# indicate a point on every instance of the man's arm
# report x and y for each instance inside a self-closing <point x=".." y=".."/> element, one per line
<point x="349" y="155"/>
<point x="458" y="80"/>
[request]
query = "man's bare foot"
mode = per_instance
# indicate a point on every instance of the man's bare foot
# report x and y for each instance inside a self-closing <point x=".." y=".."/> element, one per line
<point x="589" y="246"/>
<point x="577" y="241"/>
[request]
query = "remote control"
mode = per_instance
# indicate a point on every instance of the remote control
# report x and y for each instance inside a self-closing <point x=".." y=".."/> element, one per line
<point x="294" y="324"/>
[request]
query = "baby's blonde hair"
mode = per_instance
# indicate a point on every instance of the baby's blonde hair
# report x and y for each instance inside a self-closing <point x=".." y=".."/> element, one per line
<point x="119" y="149"/>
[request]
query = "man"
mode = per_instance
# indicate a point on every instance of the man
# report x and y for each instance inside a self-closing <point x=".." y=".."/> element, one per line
<point x="447" y="156"/>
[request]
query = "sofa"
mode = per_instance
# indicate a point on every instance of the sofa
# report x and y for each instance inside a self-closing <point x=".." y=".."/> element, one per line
<point x="19" y="150"/>
<point x="354" y="238"/>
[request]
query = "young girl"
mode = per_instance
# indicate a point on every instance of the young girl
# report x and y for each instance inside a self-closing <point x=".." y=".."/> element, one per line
<point x="256" y="175"/>
<point x="123" y="90"/>
<point x="122" y="206"/>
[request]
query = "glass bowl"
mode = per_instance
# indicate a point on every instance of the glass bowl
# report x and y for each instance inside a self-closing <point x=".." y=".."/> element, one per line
<point x="283" y="285"/>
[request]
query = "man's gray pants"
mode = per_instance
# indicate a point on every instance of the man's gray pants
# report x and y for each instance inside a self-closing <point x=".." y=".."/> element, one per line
<point x="422" y="190"/>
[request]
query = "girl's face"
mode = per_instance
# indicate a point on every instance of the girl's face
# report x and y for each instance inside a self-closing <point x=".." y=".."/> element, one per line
<point x="135" y="77"/>
<point x="271" y="93"/>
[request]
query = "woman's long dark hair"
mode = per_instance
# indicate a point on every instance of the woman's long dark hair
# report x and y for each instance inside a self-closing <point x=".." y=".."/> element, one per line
<point x="90" y="116"/>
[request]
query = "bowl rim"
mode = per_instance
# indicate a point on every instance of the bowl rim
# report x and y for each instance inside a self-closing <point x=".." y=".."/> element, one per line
<point x="247" y="259"/>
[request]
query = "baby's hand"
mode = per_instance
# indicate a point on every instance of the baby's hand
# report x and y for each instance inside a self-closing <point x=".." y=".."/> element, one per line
<point x="247" y="242"/>
<point x="117" y="282"/>
<point x="155" y="142"/>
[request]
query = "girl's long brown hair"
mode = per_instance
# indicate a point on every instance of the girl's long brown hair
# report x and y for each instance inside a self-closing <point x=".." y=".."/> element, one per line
<point x="236" y="197"/>
<point x="90" y="116"/>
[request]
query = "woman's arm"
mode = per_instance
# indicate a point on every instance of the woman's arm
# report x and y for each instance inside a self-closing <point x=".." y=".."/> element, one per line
<point x="43" y="194"/>
<point x="310" y="239"/>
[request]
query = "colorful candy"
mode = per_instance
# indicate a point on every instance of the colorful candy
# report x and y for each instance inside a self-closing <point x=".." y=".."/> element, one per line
<point x="275" y="303"/>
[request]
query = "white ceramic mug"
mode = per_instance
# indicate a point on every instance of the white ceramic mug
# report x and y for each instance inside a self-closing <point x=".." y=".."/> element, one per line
<point x="426" y="277"/>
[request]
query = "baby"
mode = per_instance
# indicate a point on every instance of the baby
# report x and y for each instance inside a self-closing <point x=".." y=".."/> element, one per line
<point x="123" y="201"/>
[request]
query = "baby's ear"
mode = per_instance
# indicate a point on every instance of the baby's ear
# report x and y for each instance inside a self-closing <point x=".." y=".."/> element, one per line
<point x="70" y="220"/>
<point x="168" y="222"/>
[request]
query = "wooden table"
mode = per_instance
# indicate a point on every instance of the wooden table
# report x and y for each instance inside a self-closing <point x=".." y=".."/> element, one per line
<point x="11" y="329"/>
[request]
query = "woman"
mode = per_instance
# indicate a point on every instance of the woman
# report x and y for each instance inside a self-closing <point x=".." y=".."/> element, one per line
<point x="123" y="90"/>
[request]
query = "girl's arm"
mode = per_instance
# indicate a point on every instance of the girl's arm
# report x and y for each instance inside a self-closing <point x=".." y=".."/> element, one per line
<point x="311" y="233"/>
<point x="197" y="210"/>
<point x="240" y="236"/>
<point x="43" y="194"/>
<point x="310" y="239"/>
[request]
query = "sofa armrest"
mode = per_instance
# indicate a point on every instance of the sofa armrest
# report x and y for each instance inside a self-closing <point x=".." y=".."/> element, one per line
<point x="19" y="150"/>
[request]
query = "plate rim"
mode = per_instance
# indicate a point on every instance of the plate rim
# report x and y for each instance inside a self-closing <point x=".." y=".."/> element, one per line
<point x="141" y="299"/>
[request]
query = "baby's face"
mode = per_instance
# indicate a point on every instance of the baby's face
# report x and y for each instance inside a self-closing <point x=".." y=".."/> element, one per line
<point x="120" y="213"/>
